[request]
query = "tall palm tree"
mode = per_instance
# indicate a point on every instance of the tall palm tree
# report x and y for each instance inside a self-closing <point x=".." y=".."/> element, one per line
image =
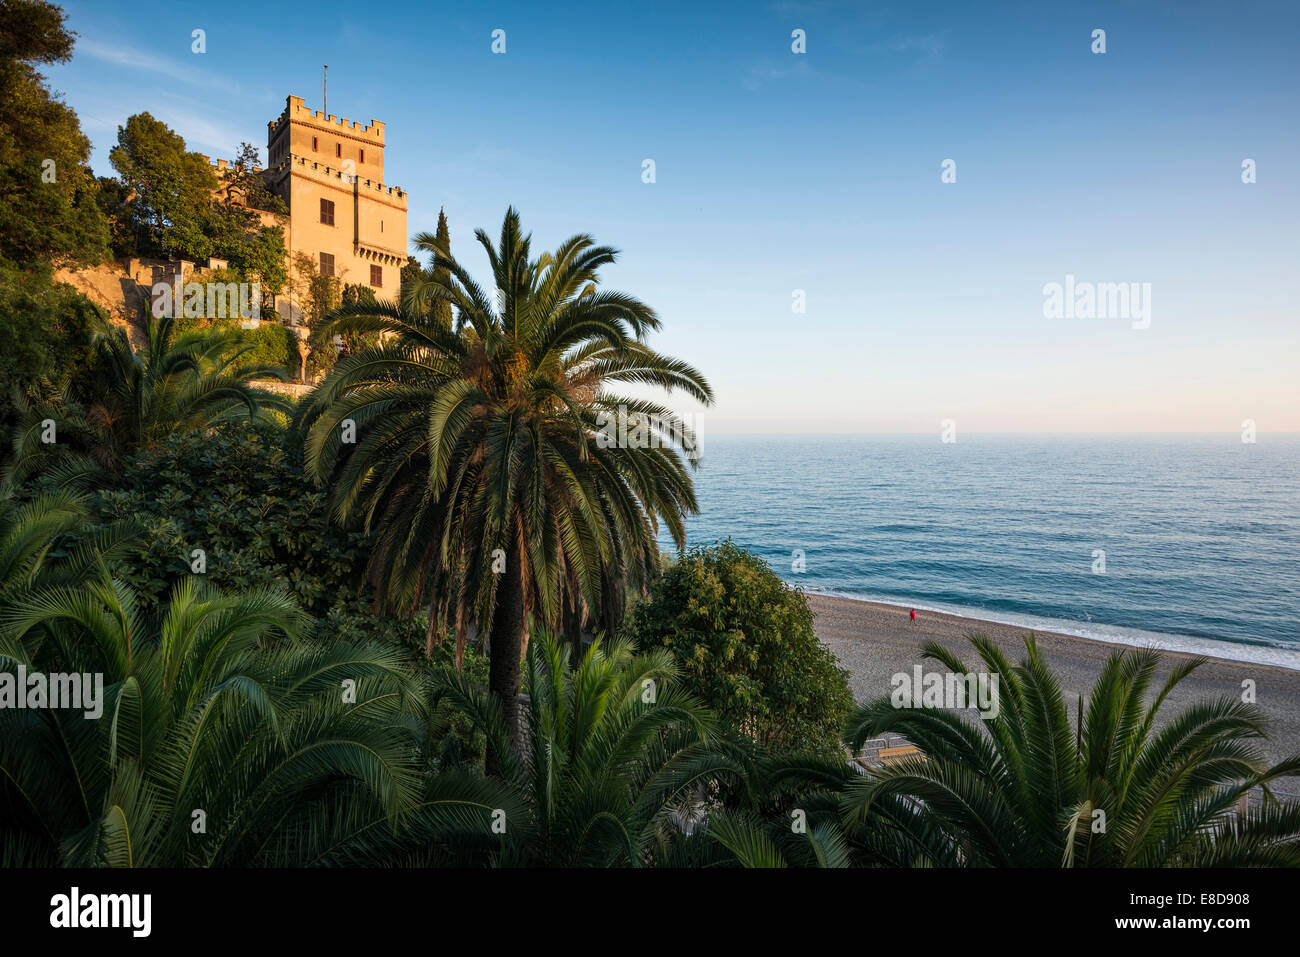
<point x="1028" y="789"/>
<point x="481" y="457"/>
<point x="194" y="379"/>
<point x="224" y="739"/>
<point x="615" y="761"/>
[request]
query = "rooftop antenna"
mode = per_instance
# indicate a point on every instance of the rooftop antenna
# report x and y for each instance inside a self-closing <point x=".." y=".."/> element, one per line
<point x="325" y="92"/>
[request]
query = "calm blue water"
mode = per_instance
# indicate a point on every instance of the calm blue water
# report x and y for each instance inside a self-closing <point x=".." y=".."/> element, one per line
<point x="1201" y="533"/>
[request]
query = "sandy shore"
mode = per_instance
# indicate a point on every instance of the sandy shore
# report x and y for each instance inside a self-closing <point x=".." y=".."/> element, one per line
<point x="875" y="641"/>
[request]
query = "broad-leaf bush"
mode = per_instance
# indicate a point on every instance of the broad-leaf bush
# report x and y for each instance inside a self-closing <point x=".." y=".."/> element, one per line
<point x="745" y="644"/>
<point x="238" y="493"/>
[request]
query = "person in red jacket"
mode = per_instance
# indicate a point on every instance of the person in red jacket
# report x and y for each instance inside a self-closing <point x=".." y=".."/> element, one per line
<point x="913" y="614"/>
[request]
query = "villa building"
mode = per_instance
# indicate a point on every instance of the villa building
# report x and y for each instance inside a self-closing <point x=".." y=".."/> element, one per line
<point x="342" y="216"/>
<point x="329" y="171"/>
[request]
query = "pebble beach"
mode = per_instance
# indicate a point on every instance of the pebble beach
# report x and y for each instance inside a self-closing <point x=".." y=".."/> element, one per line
<point x="874" y="641"/>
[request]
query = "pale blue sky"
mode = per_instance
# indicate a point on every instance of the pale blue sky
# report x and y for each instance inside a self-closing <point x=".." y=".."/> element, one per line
<point x="821" y="172"/>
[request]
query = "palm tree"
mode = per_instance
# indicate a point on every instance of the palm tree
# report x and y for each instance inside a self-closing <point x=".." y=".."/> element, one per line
<point x="1028" y="789"/>
<point x="224" y="739"/>
<point x="52" y="435"/>
<point x="777" y="809"/>
<point x="616" y="758"/>
<point x="481" y="458"/>
<point x="747" y="841"/>
<point x="192" y="380"/>
<point x="51" y="540"/>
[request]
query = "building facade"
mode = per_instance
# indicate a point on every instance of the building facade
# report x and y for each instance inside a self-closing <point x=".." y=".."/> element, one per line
<point x="329" y="171"/>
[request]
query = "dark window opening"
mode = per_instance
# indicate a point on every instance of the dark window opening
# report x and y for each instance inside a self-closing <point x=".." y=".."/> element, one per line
<point x="327" y="212"/>
<point x="376" y="276"/>
<point x="327" y="264"/>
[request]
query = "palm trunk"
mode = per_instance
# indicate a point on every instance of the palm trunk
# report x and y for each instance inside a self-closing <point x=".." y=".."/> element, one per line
<point x="573" y="633"/>
<point x="505" y="649"/>
<point x="613" y="602"/>
<point x="429" y="635"/>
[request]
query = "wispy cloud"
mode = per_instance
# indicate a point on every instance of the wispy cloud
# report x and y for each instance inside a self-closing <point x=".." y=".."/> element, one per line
<point x="134" y="59"/>
<point x="218" y="140"/>
<point x="804" y="7"/>
<point x="761" y="74"/>
<point x="204" y="129"/>
<point x="928" y="48"/>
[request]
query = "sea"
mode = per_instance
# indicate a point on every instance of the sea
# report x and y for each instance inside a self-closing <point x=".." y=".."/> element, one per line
<point x="1178" y="541"/>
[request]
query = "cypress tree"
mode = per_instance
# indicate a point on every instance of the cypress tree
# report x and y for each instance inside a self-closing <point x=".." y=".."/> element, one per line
<point x="442" y="310"/>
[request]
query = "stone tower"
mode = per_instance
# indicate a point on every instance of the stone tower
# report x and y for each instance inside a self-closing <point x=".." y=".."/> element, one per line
<point x="330" y="173"/>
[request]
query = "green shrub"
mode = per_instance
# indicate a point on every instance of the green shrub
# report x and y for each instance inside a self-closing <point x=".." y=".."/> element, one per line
<point x="271" y="344"/>
<point x="238" y="493"/>
<point x="45" y="328"/>
<point x="745" y="643"/>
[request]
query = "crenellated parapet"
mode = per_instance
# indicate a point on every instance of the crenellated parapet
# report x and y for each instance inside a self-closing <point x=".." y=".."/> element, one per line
<point x="223" y="166"/>
<point x="297" y="112"/>
<point x="305" y="165"/>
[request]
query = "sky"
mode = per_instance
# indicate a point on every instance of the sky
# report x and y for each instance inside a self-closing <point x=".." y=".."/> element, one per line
<point x="778" y="173"/>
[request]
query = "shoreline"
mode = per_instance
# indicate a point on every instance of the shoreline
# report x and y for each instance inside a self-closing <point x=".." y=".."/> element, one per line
<point x="1220" y="649"/>
<point x="875" y="640"/>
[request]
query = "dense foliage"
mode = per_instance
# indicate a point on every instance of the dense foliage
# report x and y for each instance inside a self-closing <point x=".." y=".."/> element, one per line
<point x="49" y="216"/>
<point x="238" y="493"/>
<point x="169" y="204"/>
<point x="47" y="330"/>
<point x="225" y="738"/>
<point x="134" y="399"/>
<point x="48" y="208"/>
<point x="745" y="643"/>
